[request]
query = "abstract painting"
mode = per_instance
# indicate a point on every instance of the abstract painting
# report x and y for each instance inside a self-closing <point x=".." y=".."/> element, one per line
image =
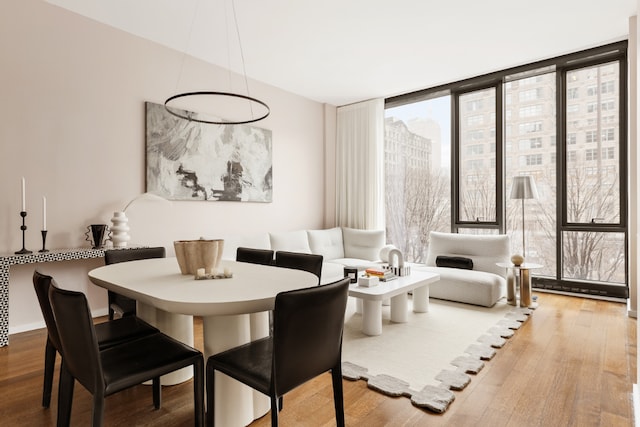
<point x="194" y="161"/>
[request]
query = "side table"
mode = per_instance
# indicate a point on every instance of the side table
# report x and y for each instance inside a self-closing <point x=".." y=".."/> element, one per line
<point x="524" y="279"/>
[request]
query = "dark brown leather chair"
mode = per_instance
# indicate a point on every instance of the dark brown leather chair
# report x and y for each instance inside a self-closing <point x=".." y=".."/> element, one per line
<point x="254" y="256"/>
<point x="120" y="304"/>
<point x="306" y="342"/>
<point x="300" y="261"/>
<point x="108" y="371"/>
<point x="108" y="333"/>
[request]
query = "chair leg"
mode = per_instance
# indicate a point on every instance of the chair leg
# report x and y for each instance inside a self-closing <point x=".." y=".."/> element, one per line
<point x="338" y="397"/>
<point x="280" y="403"/>
<point x="65" y="397"/>
<point x="49" y="366"/>
<point x="211" y="387"/>
<point x="198" y="391"/>
<point x="98" y="410"/>
<point x="274" y="410"/>
<point x="157" y="393"/>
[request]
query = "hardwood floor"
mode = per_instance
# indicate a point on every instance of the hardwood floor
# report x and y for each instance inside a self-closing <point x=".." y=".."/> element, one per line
<point x="572" y="364"/>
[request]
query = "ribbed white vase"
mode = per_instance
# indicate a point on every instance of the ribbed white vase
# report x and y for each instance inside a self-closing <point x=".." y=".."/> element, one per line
<point x="120" y="230"/>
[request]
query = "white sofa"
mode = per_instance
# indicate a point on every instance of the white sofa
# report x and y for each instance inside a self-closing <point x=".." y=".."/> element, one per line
<point x="485" y="284"/>
<point x="340" y="246"/>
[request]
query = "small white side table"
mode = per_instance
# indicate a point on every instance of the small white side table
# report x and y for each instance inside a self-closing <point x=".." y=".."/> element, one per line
<point x="525" y="282"/>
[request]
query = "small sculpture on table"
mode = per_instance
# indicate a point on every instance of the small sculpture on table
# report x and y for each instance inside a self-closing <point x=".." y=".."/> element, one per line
<point x="396" y="264"/>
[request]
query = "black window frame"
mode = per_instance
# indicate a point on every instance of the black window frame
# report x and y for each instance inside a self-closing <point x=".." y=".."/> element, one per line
<point x="560" y="65"/>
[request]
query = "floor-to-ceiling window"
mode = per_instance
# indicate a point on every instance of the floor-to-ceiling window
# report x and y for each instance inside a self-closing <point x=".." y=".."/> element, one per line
<point x="531" y="149"/>
<point x="563" y="123"/>
<point x="417" y="174"/>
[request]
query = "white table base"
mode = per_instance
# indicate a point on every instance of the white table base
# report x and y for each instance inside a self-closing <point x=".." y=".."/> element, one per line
<point x="239" y="405"/>
<point x="371" y="310"/>
<point x="178" y="326"/>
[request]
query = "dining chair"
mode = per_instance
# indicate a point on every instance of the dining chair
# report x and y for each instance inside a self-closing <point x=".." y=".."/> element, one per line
<point x="300" y="261"/>
<point x="108" y="333"/>
<point x="104" y="372"/>
<point x="306" y="342"/>
<point x="254" y="256"/>
<point x="120" y="304"/>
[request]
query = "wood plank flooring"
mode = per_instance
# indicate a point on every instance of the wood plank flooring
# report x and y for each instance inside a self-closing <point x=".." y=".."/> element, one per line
<point x="572" y="364"/>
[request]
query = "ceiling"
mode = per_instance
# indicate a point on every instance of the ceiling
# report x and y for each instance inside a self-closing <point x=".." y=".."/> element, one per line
<point x="344" y="51"/>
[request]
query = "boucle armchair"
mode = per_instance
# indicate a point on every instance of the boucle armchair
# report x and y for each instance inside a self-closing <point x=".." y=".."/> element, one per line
<point x="483" y="285"/>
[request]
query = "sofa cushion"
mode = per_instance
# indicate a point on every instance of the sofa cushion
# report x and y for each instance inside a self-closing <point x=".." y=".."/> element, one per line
<point x="454" y="262"/>
<point x="331" y="272"/>
<point x="470" y="287"/>
<point x="327" y="243"/>
<point x="362" y="244"/>
<point x="291" y="241"/>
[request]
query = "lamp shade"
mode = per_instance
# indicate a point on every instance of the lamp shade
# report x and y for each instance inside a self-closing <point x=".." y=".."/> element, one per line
<point x="524" y="187"/>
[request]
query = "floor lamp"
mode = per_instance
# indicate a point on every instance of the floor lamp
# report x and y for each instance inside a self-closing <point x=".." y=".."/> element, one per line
<point x="524" y="187"/>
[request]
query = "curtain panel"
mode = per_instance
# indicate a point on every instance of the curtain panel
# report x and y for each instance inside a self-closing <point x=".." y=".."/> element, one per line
<point x="360" y="165"/>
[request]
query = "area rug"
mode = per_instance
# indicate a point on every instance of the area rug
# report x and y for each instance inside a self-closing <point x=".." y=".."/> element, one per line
<point x="430" y="355"/>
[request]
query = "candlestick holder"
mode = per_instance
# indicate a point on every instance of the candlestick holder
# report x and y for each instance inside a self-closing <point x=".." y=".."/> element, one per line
<point x="23" y="227"/>
<point x="44" y="240"/>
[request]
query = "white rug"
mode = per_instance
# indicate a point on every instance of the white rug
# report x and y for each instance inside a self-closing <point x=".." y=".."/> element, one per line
<point x="414" y="358"/>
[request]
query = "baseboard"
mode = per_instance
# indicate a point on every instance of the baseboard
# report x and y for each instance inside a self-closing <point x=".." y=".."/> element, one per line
<point x="635" y="404"/>
<point x="40" y="325"/>
<point x="26" y="327"/>
<point x="578" y="295"/>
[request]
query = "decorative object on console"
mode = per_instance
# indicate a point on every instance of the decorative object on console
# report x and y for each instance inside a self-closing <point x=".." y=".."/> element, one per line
<point x="199" y="256"/>
<point x="524" y="187"/>
<point x="186" y="161"/>
<point x="454" y="262"/>
<point x="120" y="230"/>
<point x="23" y="227"/>
<point x="396" y="264"/>
<point x="44" y="241"/>
<point x="23" y="214"/>
<point x="97" y="232"/>
<point x="517" y="260"/>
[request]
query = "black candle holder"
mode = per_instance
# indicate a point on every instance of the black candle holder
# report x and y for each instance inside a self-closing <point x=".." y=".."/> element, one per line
<point x="44" y="240"/>
<point x="23" y="227"/>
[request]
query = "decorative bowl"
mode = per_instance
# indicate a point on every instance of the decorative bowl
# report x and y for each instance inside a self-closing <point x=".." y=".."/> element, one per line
<point x="195" y="254"/>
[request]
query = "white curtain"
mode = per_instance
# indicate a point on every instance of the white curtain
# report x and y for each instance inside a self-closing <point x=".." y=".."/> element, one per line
<point x="360" y="165"/>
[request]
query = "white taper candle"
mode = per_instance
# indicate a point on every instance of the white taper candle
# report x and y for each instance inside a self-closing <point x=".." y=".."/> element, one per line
<point x="44" y="213"/>
<point x="24" y="208"/>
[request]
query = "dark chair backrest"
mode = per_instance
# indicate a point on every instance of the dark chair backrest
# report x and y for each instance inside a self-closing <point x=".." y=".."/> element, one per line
<point x="77" y="337"/>
<point x="41" y="284"/>
<point x="300" y="261"/>
<point x="114" y="256"/>
<point x="307" y="333"/>
<point x="254" y="256"/>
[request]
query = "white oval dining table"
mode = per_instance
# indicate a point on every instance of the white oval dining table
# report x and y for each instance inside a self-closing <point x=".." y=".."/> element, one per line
<point x="234" y="312"/>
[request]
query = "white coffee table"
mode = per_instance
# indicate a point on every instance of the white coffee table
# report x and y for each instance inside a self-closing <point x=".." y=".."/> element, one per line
<point x="397" y="289"/>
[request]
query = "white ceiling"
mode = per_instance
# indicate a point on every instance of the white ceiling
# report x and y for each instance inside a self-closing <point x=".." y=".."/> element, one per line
<point x="344" y="51"/>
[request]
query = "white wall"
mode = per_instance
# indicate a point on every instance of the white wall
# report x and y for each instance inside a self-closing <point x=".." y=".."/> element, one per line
<point x="72" y="123"/>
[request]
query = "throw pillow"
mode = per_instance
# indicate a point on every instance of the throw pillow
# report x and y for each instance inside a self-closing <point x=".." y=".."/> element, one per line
<point x="454" y="262"/>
